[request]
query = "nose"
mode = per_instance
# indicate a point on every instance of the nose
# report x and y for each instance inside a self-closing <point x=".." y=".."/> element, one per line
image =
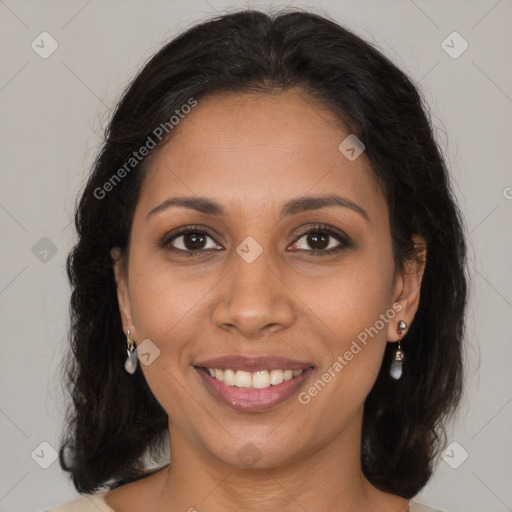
<point x="254" y="299"/>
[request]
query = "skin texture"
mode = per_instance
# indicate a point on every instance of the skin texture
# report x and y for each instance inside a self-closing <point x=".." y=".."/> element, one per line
<point x="252" y="153"/>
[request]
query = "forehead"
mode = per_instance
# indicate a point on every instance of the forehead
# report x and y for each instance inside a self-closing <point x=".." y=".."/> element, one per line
<point x="254" y="150"/>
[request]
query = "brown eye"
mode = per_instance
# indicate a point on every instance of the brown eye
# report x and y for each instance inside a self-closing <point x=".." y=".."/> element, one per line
<point x="190" y="240"/>
<point x="321" y="240"/>
<point x="193" y="241"/>
<point x="318" y="241"/>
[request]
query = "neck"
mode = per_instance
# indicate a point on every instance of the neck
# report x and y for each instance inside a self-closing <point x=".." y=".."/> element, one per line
<point x="328" y="478"/>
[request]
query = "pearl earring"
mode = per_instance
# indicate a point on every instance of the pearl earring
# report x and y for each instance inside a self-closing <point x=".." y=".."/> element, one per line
<point x="396" y="365"/>
<point x="130" y="365"/>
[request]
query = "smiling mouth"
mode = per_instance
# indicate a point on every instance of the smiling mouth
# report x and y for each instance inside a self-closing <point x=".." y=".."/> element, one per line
<point x="252" y="380"/>
<point x="255" y="391"/>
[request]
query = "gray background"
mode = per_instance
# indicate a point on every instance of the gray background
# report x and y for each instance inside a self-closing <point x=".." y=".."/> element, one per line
<point x="53" y="113"/>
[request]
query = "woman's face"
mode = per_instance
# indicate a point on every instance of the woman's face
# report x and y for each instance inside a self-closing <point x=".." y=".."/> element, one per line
<point x="257" y="285"/>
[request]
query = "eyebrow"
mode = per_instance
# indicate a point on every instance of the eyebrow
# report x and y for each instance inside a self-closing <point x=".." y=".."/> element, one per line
<point x="291" y="207"/>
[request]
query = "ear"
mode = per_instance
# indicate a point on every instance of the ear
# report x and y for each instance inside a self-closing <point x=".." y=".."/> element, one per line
<point x="123" y="294"/>
<point x="407" y="289"/>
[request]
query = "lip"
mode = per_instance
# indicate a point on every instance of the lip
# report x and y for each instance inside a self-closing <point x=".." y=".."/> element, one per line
<point x="254" y="364"/>
<point x="250" y="399"/>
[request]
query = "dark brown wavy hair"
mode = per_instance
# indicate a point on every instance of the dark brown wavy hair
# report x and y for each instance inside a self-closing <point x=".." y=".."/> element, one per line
<point x="114" y="421"/>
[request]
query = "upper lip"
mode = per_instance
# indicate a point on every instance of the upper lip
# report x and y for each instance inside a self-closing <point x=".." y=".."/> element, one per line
<point x="252" y="364"/>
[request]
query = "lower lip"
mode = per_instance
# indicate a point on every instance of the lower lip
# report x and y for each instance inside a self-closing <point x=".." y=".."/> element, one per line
<point x="250" y="399"/>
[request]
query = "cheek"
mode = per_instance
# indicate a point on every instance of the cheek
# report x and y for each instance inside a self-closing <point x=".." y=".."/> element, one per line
<point x="355" y="343"/>
<point x="354" y="306"/>
<point x="163" y="310"/>
<point x="162" y="297"/>
<point x="168" y="308"/>
<point x="352" y="297"/>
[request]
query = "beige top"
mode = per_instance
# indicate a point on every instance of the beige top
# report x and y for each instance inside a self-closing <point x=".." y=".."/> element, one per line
<point x="96" y="503"/>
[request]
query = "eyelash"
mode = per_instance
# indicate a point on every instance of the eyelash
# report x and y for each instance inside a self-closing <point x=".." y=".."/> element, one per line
<point x="344" y="240"/>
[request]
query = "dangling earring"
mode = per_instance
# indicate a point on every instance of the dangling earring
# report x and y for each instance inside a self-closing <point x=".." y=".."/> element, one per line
<point x="130" y="365"/>
<point x="396" y="365"/>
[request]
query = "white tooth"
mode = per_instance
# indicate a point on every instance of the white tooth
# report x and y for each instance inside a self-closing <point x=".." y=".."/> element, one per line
<point x="276" y="377"/>
<point x="243" y="379"/>
<point x="229" y="377"/>
<point x="260" y="379"/>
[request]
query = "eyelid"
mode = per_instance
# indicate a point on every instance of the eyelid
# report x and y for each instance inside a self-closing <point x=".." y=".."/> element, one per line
<point x="183" y="230"/>
<point x="343" y="239"/>
<point x="324" y="228"/>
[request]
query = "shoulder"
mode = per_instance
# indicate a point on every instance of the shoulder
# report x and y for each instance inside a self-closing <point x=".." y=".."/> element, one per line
<point x="129" y="488"/>
<point x="96" y="503"/>
<point x="88" y="503"/>
<point x="414" y="506"/>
